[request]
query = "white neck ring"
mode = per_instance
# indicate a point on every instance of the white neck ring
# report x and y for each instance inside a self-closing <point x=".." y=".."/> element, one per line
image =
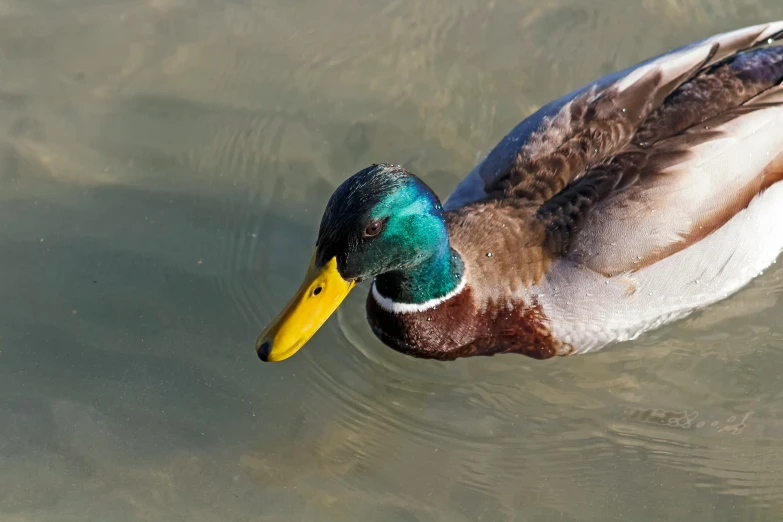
<point x="406" y="308"/>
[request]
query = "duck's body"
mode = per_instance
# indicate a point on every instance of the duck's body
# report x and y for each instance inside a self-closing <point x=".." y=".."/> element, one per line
<point x="622" y="206"/>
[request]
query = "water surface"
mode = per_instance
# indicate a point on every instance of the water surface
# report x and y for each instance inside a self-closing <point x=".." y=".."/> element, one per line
<point x="164" y="165"/>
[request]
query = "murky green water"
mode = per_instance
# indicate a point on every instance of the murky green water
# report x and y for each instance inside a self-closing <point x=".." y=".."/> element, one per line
<point x="163" y="166"/>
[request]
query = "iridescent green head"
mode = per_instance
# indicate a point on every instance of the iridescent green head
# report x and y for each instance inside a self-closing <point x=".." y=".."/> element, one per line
<point x="382" y="222"/>
<point x="381" y="219"/>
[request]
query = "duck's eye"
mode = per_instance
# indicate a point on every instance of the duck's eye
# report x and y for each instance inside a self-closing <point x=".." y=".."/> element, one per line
<point x="373" y="229"/>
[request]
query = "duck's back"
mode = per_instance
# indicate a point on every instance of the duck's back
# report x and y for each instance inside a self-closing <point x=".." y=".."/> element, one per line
<point x="658" y="189"/>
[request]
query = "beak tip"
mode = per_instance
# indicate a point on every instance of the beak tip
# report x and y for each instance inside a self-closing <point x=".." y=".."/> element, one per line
<point x="263" y="351"/>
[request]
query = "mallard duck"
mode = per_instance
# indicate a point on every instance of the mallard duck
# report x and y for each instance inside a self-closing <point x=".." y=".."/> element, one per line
<point x="622" y="206"/>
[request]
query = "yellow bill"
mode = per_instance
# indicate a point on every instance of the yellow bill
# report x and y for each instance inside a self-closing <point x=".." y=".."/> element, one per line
<point x="319" y="296"/>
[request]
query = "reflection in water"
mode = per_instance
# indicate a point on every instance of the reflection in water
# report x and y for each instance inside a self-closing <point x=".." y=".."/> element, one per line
<point x="164" y="165"/>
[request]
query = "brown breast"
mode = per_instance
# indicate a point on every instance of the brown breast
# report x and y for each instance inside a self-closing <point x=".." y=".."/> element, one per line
<point x="458" y="328"/>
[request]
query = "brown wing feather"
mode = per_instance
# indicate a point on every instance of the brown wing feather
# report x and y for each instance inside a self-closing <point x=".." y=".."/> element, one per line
<point x="690" y="185"/>
<point x="687" y="118"/>
<point x="720" y="88"/>
<point x="597" y="124"/>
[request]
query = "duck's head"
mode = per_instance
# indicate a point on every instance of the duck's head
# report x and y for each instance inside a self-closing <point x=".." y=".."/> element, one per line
<point x="380" y="220"/>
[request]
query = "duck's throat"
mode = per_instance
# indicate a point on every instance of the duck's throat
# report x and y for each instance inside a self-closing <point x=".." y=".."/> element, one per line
<point x="422" y="286"/>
